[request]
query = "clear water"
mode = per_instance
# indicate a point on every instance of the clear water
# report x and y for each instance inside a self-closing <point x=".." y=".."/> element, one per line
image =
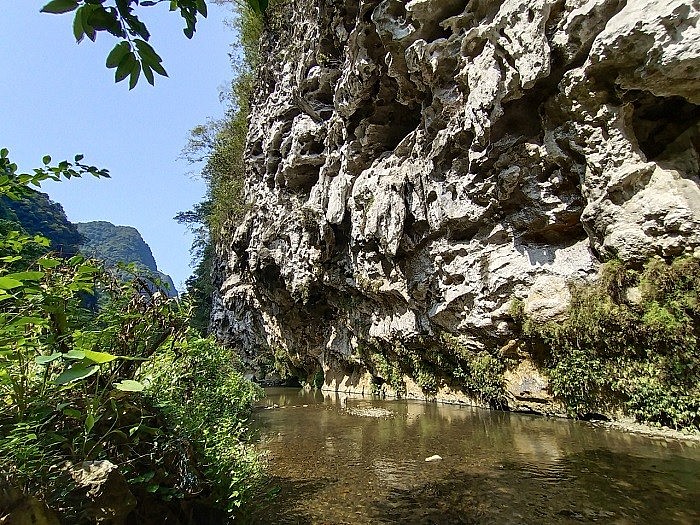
<point x="330" y="464"/>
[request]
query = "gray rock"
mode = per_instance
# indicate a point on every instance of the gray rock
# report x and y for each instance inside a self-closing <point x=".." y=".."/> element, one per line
<point x="416" y="166"/>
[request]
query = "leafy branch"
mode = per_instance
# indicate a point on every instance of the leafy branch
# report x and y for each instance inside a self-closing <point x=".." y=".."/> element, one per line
<point x="132" y="55"/>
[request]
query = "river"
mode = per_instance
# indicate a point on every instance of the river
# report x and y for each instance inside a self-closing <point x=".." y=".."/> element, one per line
<point x="335" y="459"/>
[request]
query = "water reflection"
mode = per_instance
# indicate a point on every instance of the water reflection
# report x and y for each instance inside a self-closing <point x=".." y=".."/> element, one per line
<point x="331" y="465"/>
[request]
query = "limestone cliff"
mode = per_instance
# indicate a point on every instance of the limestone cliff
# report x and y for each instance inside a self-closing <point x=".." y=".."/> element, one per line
<point x="415" y="166"/>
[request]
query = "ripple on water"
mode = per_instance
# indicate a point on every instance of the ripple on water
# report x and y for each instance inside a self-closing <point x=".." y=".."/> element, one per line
<point x="334" y="467"/>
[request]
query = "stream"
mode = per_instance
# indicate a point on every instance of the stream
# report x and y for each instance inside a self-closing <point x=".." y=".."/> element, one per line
<point x="335" y="459"/>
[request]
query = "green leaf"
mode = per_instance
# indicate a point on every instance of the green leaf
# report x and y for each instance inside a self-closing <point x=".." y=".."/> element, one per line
<point x="134" y="77"/>
<point x="46" y="359"/>
<point x="76" y="373"/>
<point x="148" y="73"/>
<point x="7" y="283"/>
<point x="24" y="321"/>
<point x="126" y="65"/>
<point x="27" y="276"/>
<point x="159" y="69"/>
<point x="48" y="262"/>
<point x="147" y="52"/>
<point x="71" y="412"/>
<point x="89" y="422"/>
<point x="99" y="357"/>
<point x="76" y="259"/>
<point x="83" y="17"/>
<point x="58" y="7"/>
<point x="254" y="5"/>
<point x="202" y="8"/>
<point x="117" y="54"/>
<point x="129" y="385"/>
<point x="78" y="31"/>
<point x="46" y="160"/>
<point x="74" y="354"/>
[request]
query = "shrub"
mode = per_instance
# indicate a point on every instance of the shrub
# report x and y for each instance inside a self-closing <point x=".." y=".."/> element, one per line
<point x="638" y="355"/>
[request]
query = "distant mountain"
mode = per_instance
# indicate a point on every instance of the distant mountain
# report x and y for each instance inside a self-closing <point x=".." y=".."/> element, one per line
<point x="38" y="214"/>
<point x="115" y="244"/>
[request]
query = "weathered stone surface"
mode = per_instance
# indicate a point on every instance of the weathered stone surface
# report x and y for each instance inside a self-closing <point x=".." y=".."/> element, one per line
<point x="17" y="508"/>
<point x="109" y="499"/>
<point x="416" y="166"/>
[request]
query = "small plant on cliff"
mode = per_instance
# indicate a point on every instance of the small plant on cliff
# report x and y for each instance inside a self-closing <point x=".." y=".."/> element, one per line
<point x="631" y="340"/>
<point x="477" y="372"/>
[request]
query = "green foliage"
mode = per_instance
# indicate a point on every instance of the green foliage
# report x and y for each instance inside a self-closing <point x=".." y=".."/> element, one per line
<point x="204" y="397"/>
<point x="120" y="245"/>
<point x="73" y="385"/>
<point x="641" y="355"/>
<point x="36" y="214"/>
<point x="478" y="373"/>
<point x="115" y="244"/>
<point x="221" y="145"/>
<point x="132" y="55"/>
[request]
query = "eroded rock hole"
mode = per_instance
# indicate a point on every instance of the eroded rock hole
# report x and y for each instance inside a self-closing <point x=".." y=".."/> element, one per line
<point x="658" y="121"/>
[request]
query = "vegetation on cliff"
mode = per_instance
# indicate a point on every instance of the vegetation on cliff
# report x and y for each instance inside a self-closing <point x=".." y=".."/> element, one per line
<point x="38" y="215"/>
<point x="221" y="145"/>
<point x="631" y="342"/>
<point x="118" y="245"/>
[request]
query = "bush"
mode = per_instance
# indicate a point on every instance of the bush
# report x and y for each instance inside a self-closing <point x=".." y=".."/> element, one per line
<point x="637" y="354"/>
<point x="72" y="372"/>
<point x="207" y="402"/>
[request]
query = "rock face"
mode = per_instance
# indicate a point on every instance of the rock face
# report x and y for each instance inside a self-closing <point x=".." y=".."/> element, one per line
<point x="121" y="244"/>
<point x="415" y="166"/>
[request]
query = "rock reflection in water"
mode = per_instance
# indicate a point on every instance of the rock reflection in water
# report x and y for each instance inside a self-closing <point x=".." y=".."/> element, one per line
<point x="330" y="466"/>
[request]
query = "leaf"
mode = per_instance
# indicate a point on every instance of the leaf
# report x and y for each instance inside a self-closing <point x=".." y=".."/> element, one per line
<point x="48" y="262"/>
<point x="202" y="8"/>
<point x="57" y="7"/>
<point x="99" y="357"/>
<point x="117" y="54"/>
<point x="46" y="160"/>
<point x="134" y="77"/>
<point x="27" y="276"/>
<point x="126" y="65"/>
<point x="147" y="52"/>
<point x="148" y="73"/>
<point x="7" y="283"/>
<point x="74" y="354"/>
<point x="254" y="5"/>
<point x="76" y="259"/>
<point x="78" y="31"/>
<point x="89" y="422"/>
<point x="24" y="321"/>
<point x="129" y="385"/>
<point x="159" y="69"/>
<point x="46" y="359"/>
<point x="71" y="412"/>
<point x="76" y="373"/>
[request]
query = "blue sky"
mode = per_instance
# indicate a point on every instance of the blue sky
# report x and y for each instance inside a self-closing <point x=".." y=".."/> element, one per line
<point x="58" y="98"/>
